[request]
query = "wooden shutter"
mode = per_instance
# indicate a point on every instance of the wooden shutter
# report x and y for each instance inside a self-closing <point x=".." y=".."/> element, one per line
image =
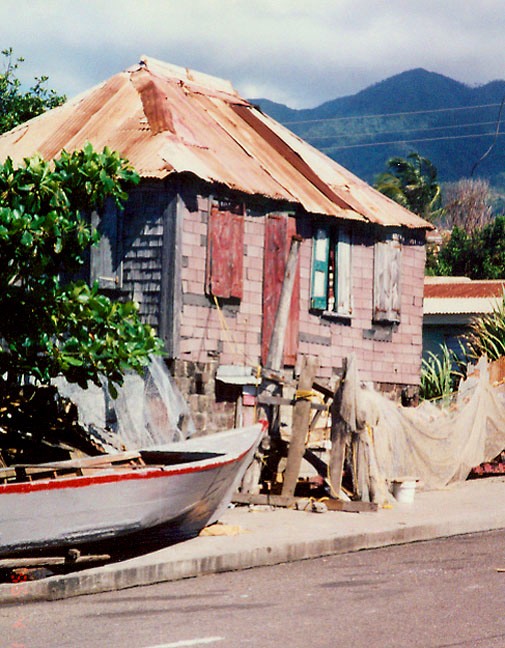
<point x="387" y="257"/>
<point x="225" y="254"/>
<point x="105" y="263"/>
<point x="343" y="272"/>
<point x="237" y="255"/>
<point x="320" y="263"/>
<point x="279" y="230"/>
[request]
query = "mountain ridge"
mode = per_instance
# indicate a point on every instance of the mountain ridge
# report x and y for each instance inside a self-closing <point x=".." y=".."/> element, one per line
<point x="449" y="122"/>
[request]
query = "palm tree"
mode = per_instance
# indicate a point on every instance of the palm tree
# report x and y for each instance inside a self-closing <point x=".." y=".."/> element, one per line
<point x="412" y="182"/>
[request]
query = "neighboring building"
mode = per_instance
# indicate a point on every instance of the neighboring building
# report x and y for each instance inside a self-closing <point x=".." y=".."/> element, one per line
<point x="450" y="304"/>
<point x="203" y="241"/>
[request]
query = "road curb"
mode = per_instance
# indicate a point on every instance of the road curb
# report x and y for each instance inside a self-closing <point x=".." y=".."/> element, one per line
<point x="125" y="575"/>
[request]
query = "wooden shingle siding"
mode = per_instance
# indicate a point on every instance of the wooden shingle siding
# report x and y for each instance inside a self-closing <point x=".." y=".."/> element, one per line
<point x="143" y="249"/>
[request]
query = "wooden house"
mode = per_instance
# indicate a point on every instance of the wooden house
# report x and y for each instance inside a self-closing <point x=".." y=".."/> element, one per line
<point x="203" y="241"/>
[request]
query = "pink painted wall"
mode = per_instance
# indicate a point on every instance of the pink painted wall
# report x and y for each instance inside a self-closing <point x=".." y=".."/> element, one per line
<point x="233" y="333"/>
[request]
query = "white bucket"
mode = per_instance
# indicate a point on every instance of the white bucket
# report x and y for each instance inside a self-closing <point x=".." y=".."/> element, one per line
<point x="404" y="490"/>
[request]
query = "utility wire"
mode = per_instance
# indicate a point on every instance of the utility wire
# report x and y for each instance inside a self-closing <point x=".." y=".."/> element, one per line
<point x="396" y="114"/>
<point x="398" y="130"/>
<point x="497" y="132"/>
<point x="409" y="141"/>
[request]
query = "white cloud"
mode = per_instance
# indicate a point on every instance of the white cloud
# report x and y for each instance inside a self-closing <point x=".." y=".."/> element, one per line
<point x="291" y="51"/>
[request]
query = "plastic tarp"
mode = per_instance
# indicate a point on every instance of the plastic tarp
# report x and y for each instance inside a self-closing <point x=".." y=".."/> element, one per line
<point x="434" y="444"/>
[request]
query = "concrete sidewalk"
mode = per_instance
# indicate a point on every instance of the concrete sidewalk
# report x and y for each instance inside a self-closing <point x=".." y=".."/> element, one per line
<point x="268" y="537"/>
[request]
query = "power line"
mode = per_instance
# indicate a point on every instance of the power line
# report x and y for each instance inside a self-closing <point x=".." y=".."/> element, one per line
<point x="410" y="141"/>
<point x="397" y="114"/>
<point x="496" y="134"/>
<point x="311" y="138"/>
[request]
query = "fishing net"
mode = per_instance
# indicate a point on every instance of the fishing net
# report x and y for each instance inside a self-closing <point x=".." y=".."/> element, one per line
<point x="148" y="410"/>
<point x="436" y="444"/>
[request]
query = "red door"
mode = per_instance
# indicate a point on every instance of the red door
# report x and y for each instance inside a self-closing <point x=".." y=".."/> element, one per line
<point x="279" y="230"/>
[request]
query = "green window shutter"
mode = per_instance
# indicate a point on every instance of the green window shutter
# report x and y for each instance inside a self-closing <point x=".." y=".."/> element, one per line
<point x="320" y="259"/>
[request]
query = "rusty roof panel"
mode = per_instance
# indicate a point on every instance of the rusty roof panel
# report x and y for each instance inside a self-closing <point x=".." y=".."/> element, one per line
<point x="356" y="192"/>
<point x="166" y="119"/>
<point x="462" y="288"/>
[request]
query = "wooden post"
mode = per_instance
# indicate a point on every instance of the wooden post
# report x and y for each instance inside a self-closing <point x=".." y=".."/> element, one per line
<point x="339" y="433"/>
<point x="250" y="483"/>
<point x="276" y="348"/>
<point x="299" y="428"/>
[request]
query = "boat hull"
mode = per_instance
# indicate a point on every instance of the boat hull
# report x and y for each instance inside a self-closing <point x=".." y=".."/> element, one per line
<point x="160" y="504"/>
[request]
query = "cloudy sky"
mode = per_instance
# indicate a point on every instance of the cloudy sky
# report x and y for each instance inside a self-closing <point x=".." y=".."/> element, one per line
<point x="297" y="52"/>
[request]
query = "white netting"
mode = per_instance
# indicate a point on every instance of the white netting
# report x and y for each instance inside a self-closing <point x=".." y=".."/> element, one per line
<point x="434" y="444"/>
<point x="148" y="411"/>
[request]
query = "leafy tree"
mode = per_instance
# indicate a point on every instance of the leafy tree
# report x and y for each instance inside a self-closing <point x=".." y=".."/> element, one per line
<point x="412" y="182"/>
<point x="50" y="327"/>
<point x="479" y="254"/>
<point x="18" y="105"/>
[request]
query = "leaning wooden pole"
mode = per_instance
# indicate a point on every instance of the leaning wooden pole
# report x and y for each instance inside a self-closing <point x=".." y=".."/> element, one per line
<point x="250" y="483"/>
<point x="276" y="347"/>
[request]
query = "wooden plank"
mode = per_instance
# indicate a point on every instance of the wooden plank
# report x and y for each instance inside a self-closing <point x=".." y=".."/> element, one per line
<point x="293" y="330"/>
<point x="323" y="389"/>
<point x="387" y="261"/>
<point x="265" y="399"/>
<point x="171" y="282"/>
<point x="283" y="501"/>
<point x="225" y="252"/>
<point x="351" y="506"/>
<point x="276" y="346"/>
<point x="274" y="362"/>
<point x="13" y="563"/>
<point x="262" y="499"/>
<point x="85" y="462"/>
<point x="338" y="435"/>
<point x="274" y="376"/>
<point x="299" y="428"/>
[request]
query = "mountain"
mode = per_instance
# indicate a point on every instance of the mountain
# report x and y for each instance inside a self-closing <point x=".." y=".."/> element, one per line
<point x="450" y="123"/>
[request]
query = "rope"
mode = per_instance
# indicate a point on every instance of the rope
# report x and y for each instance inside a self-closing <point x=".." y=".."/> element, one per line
<point x="229" y="334"/>
<point x="235" y="349"/>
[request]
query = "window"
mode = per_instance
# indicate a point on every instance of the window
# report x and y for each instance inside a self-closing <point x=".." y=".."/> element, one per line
<point x="387" y="256"/>
<point x="105" y="257"/>
<point x="331" y="271"/>
<point x="225" y="250"/>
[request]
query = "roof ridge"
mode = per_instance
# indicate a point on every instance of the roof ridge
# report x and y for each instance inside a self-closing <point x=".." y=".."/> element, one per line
<point x="188" y="76"/>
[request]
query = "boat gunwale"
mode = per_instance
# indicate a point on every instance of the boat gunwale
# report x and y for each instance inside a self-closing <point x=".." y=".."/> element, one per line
<point x="111" y="475"/>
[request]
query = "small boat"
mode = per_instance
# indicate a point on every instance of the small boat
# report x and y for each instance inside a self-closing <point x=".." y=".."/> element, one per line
<point x="156" y="496"/>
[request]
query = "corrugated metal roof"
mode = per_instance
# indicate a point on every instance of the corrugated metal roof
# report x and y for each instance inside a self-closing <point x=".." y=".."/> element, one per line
<point x="461" y="296"/>
<point x="462" y="288"/>
<point x="166" y="119"/>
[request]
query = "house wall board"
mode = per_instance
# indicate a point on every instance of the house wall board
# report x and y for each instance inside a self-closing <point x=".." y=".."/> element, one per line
<point x="229" y="332"/>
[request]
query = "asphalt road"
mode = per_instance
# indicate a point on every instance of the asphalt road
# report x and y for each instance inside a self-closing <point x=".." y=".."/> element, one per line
<point x="437" y="594"/>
